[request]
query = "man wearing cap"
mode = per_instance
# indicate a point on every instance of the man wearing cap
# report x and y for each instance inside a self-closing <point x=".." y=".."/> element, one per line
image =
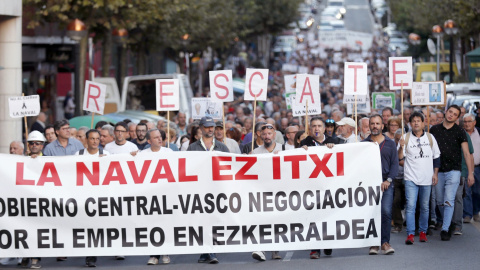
<point x="207" y="143"/>
<point x="247" y="147"/>
<point x="219" y="136"/>
<point x="36" y="140"/>
<point x="347" y="129"/>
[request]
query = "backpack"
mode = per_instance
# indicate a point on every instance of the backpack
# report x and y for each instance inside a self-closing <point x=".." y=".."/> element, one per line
<point x="81" y="152"/>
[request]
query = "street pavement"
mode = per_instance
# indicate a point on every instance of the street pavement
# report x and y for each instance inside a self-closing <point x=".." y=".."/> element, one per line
<point x="459" y="253"/>
<point x="358" y="17"/>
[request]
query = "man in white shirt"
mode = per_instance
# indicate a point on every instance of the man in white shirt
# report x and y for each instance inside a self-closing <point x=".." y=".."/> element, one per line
<point x="290" y="133"/>
<point x="155" y="138"/>
<point x="93" y="143"/>
<point x="120" y="145"/>
<point x="422" y="162"/>
<point x="347" y="128"/>
<point x="232" y="145"/>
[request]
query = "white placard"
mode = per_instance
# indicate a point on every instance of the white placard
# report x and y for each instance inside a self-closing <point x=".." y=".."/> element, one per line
<point x="308" y="89"/>
<point x="355" y="79"/>
<point x="333" y="67"/>
<point x="301" y="110"/>
<point x="206" y="107"/>
<point x="94" y="97"/>
<point x="221" y="85"/>
<point x="428" y="93"/>
<point x="400" y="69"/>
<point x="290" y="83"/>
<point x="319" y="71"/>
<point x="256" y="83"/>
<point x="303" y="69"/>
<point x="362" y="108"/>
<point x="290" y="67"/>
<point x="350" y="99"/>
<point x="168" y="94"/>
<point x="24" y="106"/>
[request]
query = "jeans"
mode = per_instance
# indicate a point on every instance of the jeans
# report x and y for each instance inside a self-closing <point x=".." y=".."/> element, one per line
<point x="445" y="194"/>
<point x="398" y="202"/>
<point x="412" y="193"/>
<point x="387" y="201"/>
<point x="471" y="201"/>
<point x="459" y="205"/>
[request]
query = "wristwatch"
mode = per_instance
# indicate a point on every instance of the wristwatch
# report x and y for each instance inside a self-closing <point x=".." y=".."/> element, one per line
<point x="389" y="180"/>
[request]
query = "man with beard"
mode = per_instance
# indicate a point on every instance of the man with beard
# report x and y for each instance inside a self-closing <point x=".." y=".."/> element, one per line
<point x="141" y="132"/>
<point x="318" y="138"/>
<point x="207" y="143"/>
<point x="364" y="129"/>
<point x="269" y="146"/>
<point x="389" y="159"/>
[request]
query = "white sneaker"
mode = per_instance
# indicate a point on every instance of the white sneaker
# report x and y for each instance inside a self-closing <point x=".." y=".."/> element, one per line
<point x="259" y="255"/>
<point x="165" y="259"/>
<point x="152" y="261"/>
<point x="35" y="264"/>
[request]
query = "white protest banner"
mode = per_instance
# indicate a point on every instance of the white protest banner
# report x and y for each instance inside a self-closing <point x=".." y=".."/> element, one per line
<point x="256" y="83"/>
<point x="290" y="68"/>
<point x="333" y="67"/>
<point x="355" y="79"/>
<point x="308" y="89"/>
<point x="94" y="97"/>
<point x="190" y="202"/>
<point x="303" y="69"/>
<point x="400" y="69"/>
<point x="24" y="106"/>
<point x="428" y="93"/>
<point x="206" y="107"/>
<point x="290" y="83"/>
<point x="221" y="85"/>
<point x="168" y="95"/>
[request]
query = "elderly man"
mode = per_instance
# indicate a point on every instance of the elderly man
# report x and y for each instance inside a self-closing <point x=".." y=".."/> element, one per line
<point x="16" y="148"/>
<point x="132" y="127"/>
<point x="182" y="124"/>
<point x="472" y="198"/>
<point x="290" y="134"/>
<point x="440" y="117"/>
<point x="106" y="135"/>
<point x="347" y="128"/>
<point x="364" y="129"/>
<point x="231" y="144"/>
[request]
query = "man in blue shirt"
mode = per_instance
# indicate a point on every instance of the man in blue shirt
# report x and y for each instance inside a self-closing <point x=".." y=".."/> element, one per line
<point x="389" y="159"/>
<point x="64" y="145"/>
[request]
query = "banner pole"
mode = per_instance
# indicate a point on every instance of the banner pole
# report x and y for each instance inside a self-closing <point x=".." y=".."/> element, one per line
<point x="168" y="129"/>
<point x="356" y="129"/>
<point x="26" y="132"/>
<point x="306" y="119"/>
<point x="91" y="124"/>
<point x="224" y="129"/>
<point x="428" y="118"/>
<point x="254" y="114"/>
<point x="401" y="105"/>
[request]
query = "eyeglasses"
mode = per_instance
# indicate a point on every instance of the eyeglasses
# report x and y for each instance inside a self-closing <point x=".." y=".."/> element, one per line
<point x="267" y="126"/>
<point x="121" y="131"/>
<point x="330" y="121"/>
<point x="36" y="143"/>
<point x="420" y="146"/>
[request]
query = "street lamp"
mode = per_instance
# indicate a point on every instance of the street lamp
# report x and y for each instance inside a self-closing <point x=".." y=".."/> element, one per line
<point x="414" y="40"/>
<point x="438" y="34"/>
<point x="76" y="30"/>
<point x="451" y="30"/>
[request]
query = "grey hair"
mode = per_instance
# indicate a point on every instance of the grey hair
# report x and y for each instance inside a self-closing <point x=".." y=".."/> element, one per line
<point x="83" y="128"/>
<point x="469" y="115"/>
<point x="19" y="143"/>
<point x="109" y="128"/>
<point x="131" y="124"/>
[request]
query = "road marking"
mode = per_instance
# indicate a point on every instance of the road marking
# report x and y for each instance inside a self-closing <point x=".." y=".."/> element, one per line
<point x="476" y="225"/>
<point x="356" y="7"/>
<point x="288" y="256"/>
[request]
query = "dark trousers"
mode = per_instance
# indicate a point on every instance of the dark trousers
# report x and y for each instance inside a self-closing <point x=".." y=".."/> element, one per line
<point x="399" y="201"/>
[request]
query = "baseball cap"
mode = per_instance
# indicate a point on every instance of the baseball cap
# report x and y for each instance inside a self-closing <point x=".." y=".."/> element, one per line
<point x="346" y="121"/>
<point x="207" y="121"/>
<point x="219" y="124"/>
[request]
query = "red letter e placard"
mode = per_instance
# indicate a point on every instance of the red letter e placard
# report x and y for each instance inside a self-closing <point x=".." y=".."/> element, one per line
<point x="168" y="95"/>
<point x="221" y="85"/>
<point x="256" y="83"/>
<point x="94" y="97"/>
<point x="400" y="69"/>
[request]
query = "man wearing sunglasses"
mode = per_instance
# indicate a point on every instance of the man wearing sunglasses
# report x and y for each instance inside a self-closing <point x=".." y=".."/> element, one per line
<point x="36" y="140"/>
<point x="422" y="161"/>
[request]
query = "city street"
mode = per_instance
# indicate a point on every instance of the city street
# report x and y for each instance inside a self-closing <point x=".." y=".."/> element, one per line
<point x="434" y="254"/>
<point x="358" y="17"/>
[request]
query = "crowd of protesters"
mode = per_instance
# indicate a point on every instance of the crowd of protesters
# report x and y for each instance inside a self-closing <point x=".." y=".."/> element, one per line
<point x="415" y="199"/>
